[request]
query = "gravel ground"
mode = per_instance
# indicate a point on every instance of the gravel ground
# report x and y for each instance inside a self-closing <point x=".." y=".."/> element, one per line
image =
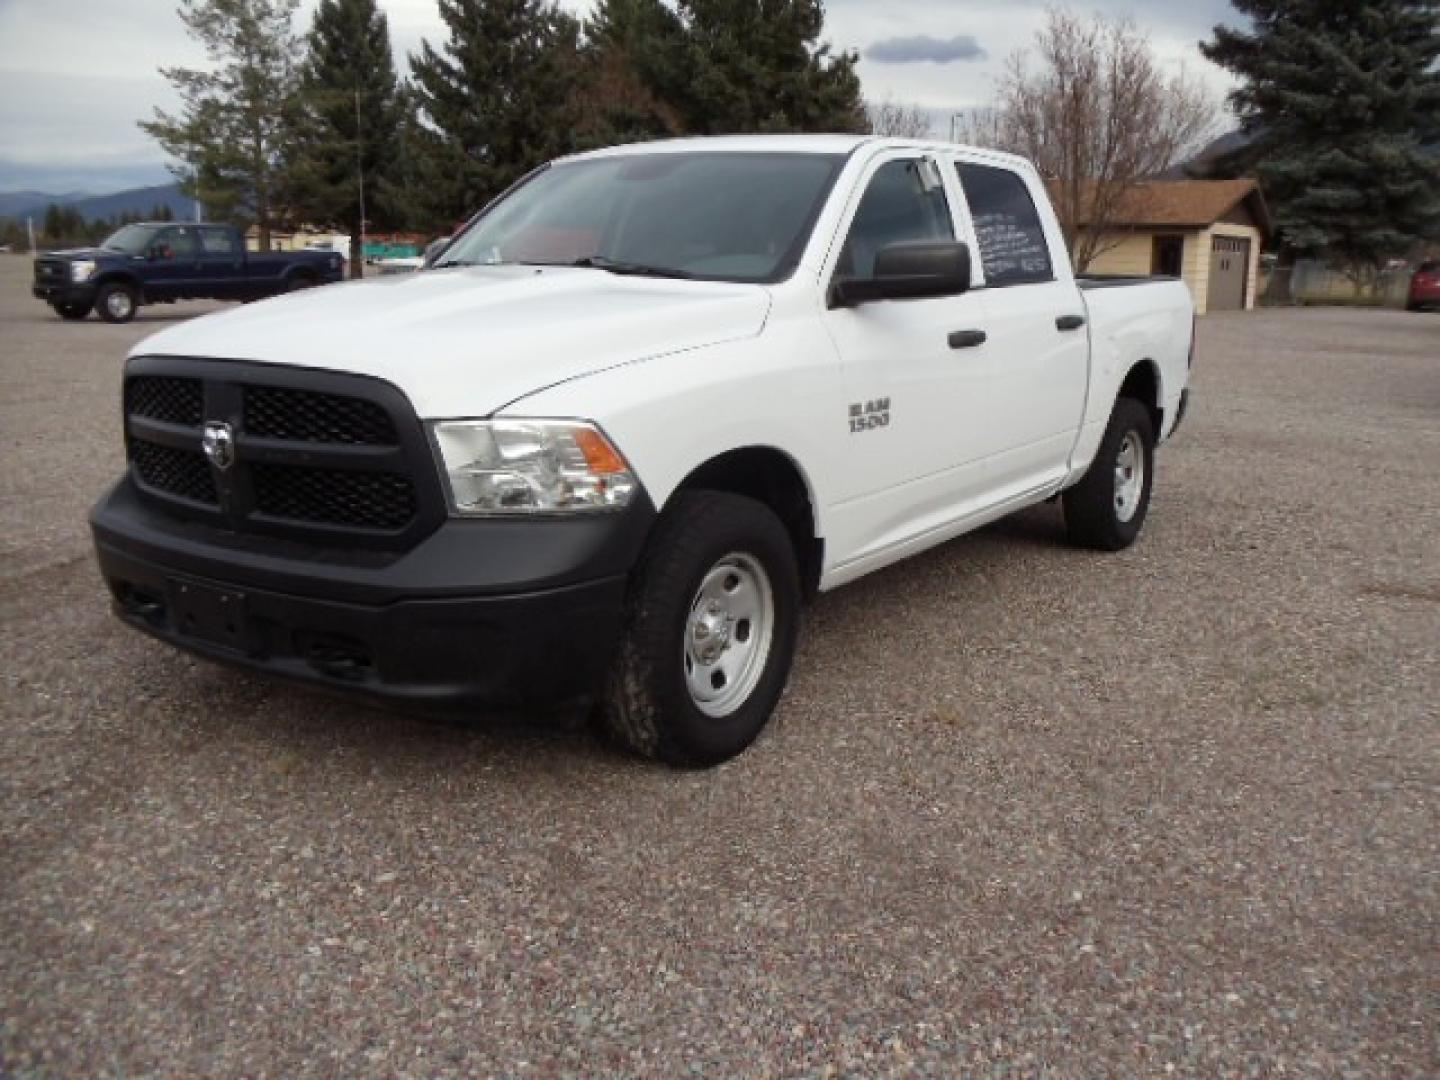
<point x="1023" y="808"/>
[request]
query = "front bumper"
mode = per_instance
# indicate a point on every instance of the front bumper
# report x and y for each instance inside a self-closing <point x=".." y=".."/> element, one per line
<point x="63" y="292"/>
<point x="496" y="613"/>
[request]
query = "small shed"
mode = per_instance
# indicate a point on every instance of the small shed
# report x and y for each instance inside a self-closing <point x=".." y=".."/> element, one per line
<point x="1208" y="232"/>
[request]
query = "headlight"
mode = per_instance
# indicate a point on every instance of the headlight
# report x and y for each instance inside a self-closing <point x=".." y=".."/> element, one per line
<point x="81" y="269"/>
<point x="531" y="467"/>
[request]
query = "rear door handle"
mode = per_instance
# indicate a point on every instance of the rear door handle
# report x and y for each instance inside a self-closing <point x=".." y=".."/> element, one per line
<point x="967" y="339"/>
<point x="1069" y="322"/>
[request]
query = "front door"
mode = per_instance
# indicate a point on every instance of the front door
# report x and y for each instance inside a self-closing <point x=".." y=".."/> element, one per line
<point x="174" y="263"/>
<point x="917" y="407"/>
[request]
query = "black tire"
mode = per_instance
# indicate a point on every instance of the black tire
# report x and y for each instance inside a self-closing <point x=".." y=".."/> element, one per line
<point x="649" y="705"/>
<point x="1095" y="516"/>
<point x="116" y="302"/>
<point x="71" y="312"/>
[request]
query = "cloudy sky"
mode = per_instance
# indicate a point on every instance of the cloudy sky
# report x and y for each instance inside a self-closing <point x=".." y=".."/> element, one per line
<point x="75" y="75"/>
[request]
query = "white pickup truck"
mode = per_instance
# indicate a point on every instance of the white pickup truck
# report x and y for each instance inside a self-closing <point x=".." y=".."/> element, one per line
<point x="648" y="401"/>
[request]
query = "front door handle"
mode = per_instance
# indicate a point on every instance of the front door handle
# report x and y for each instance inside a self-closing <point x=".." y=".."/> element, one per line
<point x="967" y="339"/>
<point x="1069" y="322"/>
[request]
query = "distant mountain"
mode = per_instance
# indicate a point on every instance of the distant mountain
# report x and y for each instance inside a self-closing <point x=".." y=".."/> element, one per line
<point x="134" y="201"/>
<point x="20" y="203"/>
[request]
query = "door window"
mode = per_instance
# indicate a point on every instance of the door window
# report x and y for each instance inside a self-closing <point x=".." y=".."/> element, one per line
<point x="218" y="242"/>
<point x="179" y="241"/>
<point x="1007" y="226"/>
<point x="905" y="201"/>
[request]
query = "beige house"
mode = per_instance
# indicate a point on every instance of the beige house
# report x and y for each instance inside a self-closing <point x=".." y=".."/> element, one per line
<point x="1208" y="232"/>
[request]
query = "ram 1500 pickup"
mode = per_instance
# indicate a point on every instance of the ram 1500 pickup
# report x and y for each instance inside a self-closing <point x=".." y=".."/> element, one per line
<point x="159" y="263"/>
<point x="636" y="412"/>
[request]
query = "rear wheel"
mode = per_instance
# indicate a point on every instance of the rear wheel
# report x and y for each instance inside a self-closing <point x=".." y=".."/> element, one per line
<point x="71" y="312"/>
<point x="1107" y="508"/>
<point x="711" y="623"/>
<point x="116" y="302"/>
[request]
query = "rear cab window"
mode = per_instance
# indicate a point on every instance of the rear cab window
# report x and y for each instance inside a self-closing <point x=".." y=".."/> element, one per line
<point x="1008" y="229"/>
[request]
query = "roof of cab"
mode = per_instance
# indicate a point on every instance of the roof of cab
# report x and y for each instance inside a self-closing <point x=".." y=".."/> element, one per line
<point x="790" y="144"/>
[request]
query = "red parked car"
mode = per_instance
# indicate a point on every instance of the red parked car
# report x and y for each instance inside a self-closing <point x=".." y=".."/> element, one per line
<point x="1425" y="286"/>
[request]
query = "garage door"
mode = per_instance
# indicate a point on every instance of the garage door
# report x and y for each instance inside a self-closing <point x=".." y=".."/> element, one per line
<point x="1229" y="263"/>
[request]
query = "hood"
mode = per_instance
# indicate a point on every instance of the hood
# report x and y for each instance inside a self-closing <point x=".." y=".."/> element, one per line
<point x="80" y="253"/>
<point x="466" y="342"/>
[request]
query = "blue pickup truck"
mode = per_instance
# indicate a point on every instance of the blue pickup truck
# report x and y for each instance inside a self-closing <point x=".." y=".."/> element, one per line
<point x="161" y="262"/>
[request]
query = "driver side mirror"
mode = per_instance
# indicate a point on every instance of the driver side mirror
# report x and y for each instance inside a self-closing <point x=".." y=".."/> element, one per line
<point x="908" y="270"/>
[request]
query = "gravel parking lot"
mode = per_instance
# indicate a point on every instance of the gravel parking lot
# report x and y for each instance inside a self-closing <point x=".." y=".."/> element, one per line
<point x="1023" y="808"/>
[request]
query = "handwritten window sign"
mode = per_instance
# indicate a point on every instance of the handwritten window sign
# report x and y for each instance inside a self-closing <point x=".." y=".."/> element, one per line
<point x="1007" y="227"/>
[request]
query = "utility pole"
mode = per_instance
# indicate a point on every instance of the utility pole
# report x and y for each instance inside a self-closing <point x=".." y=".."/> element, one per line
<point x="359" y="269"/>
<point x="30" y="229"/>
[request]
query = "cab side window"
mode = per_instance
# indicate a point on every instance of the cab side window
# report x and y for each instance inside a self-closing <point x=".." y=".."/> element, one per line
<point x="1007" y="226"/>
<point x="905" y="201"/>
<point x="217" y="241"/>
<point x="180" y="241"/>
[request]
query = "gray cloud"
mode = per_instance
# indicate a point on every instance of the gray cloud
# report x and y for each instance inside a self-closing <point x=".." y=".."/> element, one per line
<point x="923" y="49"/>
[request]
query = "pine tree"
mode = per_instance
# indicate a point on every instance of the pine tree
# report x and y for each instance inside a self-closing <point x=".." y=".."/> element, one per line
<point x="498" y="99"/>
<point x="346" y="149"/>
<point x="230" y="135"/>
<point x="758" y="65"/>
<point x="1337" y="99"/>
<point x="633" y="54"/>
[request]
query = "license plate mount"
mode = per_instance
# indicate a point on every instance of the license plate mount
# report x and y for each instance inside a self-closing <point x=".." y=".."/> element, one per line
<point x="209" y="614"/>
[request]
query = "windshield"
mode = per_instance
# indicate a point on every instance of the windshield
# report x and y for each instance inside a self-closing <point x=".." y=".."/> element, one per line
<point x="132" y="239"/>
<point x="716" y="216"/>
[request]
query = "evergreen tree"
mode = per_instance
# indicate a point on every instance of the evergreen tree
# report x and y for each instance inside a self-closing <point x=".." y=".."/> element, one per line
<point x="758" y="65"/>
<point x="347" y="144"/>
<point x="230" y="135"/>
<point x="497" y="99"/>
<point x="52" y="226"/>
<point x="633" y="54"/>
<point x="1337" y="98"/>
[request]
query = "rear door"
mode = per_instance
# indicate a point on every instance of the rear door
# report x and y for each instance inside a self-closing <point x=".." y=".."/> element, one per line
<point x="222" y="263"/>
<point x="1034" y="318"/>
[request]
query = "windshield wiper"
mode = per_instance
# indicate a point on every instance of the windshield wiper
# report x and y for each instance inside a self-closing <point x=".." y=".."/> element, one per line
<point x="616" y="266"/>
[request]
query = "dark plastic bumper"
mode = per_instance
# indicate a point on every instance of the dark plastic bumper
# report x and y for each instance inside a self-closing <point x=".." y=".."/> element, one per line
<point x="62" y="293"/>
<point x="501" y="613"/>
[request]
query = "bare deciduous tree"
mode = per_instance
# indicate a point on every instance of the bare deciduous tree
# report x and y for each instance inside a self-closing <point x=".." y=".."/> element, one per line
<point x="1089" y="105"/>
<point x="893" y="120"/>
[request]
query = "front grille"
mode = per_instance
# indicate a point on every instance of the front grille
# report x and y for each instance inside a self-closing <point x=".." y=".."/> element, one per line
<point x="182" y="473"/>
<point x="318" y="455"/>
<point x="174" y="401"/>
<point x="367" y="500"/>
<point x="306" y="416"/>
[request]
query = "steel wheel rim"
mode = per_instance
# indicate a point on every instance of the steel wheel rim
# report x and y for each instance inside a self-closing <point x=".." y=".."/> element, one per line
<point x="1129" y="476"/>
<point x="728" y="633"/>
<point x="118" y="304"/>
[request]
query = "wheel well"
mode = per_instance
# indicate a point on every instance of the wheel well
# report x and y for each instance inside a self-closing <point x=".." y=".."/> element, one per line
<point x="1143" y="384"/>
<point x="120" y="279"/>
<point x="771" y="477"/>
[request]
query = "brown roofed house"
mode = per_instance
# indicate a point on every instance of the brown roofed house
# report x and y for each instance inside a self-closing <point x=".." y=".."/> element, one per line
<point x="1208" y="232"/>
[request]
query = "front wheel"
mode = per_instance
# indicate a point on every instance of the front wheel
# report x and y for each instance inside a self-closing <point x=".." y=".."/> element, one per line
<point x="711" y="623"/>
<point x="1107" y="508"/>
<point x="116" y="303"/>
